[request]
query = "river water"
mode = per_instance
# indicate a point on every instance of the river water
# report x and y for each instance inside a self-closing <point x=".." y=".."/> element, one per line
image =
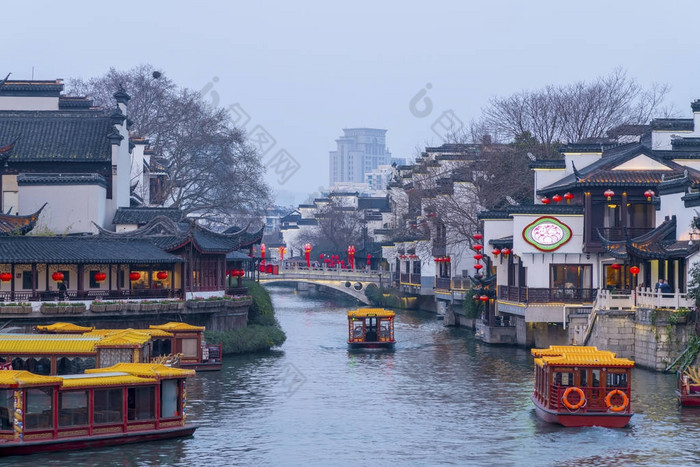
<point x="441" y="397"/>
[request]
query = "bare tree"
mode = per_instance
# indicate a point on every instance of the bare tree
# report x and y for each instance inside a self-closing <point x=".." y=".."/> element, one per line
<point x="337" y="227"/>
<point x="571" y="113"/>
<point x="215" y="175"/>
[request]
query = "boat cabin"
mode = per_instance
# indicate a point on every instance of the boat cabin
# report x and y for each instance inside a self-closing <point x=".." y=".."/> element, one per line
<point x="187" y="341"/>
<point x="582" y="386"/>
<point x="125" y="403"/>
<point x="371" y="327"/>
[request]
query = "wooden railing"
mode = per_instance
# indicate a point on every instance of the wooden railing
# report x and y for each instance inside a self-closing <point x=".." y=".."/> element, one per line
<point x="546" y="295"/>
<point x="443" y="283"/>
<point x="642" y="298"/>
<point x="88" y="295"/>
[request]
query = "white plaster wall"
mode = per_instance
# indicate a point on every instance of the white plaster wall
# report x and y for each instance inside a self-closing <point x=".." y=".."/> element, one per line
<point x="671" y="205"/>
<point x="661" y="140"/>
<point x="544" y="178"/>
<point x="126" y="227"/>
<point x="581" y="160"/>
<point x="28" y="103"/>
<point x="70" y="208"/>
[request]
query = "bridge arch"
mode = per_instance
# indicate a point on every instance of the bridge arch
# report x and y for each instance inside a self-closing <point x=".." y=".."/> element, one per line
<point x="352" y="283"/>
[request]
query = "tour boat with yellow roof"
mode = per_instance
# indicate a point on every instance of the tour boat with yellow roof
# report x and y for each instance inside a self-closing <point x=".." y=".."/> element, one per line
<point x="173" y="341"/>
<point x="125" y="403"/>
<point x="371" y="328"/>
<point x="582" y="386"/>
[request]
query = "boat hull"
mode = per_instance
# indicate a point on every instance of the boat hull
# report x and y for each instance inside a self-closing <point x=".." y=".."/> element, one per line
<point x="85" y="442"/>
<point x="688" y="400"/>
<point x="371" y="345"/>
<point x="202" y="366"/>
<point x="573" y="419"/>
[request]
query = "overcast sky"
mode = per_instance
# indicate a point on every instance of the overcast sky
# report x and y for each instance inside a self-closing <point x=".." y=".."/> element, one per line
<point x="302" y="71"/>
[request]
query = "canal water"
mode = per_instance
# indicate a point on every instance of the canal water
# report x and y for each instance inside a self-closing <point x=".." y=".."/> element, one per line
<point x="441" y="397"/>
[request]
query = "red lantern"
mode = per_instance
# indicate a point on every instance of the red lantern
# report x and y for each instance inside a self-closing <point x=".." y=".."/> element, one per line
<point x="556" y="198"/>
<point x="609" y="194"/>
<point x="615" y="266"/>
<point x="634" y="270"/>
<point x="447" y="259"/>
<point x="100" y="277"/>
<point x="5" y="277"/>
<point x="568" y="197"/>
<point x="478" y="257"/>
<point x="478" y="247"/>
<point x="476" y="297"/>
<point x="134" y="276"/>
<point x="484" y="298"/>
<point x="545" y="200"/>
<point x="477" y="236"/>
<point x="162" y="275"/>
<point x="478" y="266"/>
<point x="496" y="252"/>
<point x="649" y="194"/>
<point x="57" y="276"/>
<point x="505" y="252"/>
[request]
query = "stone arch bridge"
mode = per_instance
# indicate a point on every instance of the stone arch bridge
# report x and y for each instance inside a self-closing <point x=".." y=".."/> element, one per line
<point x="353" y="283"/>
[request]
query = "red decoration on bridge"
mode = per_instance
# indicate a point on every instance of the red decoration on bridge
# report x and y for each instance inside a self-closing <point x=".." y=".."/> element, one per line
<point x="282" y="250"/>
<point x="351" y="256"/>
<point x="262" y="254"/>
<point x="307" y="254"/>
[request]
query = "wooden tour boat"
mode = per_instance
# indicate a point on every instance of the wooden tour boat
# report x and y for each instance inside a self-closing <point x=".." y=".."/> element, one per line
<point x="688" y="390"/>
<point x="582" y="386"/>
<point x="126" y="403"/>
<point x="371" y="328"/>
<point x="179" y="344"/>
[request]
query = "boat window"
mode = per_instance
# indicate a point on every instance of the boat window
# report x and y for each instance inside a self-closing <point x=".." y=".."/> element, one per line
<point x="169" y="398"/>
<point x="617" y="380"/>
<point x="6" y="409"/>
<point x="563" y="379"/>
<point x="584" y="378"/>
<point x="357" y="329"/>
<point x="109" y="406"/>
<point x="189" y="348"/>
<point x="38" y="412"/>
<point x="385" y="330"/>
<point x="595" y="381"/>
<point x="142" y="403"/>
<point x="72" y="408"/>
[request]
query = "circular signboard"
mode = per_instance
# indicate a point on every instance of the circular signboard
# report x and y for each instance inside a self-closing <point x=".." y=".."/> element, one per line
<point x="547" y="233"/>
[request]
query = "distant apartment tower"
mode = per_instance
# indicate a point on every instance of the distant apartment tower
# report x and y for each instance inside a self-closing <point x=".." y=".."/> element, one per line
<point x="360" y="150"/>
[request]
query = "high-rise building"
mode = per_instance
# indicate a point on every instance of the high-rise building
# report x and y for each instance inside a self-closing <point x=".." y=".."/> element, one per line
<point x="360" y="150"/>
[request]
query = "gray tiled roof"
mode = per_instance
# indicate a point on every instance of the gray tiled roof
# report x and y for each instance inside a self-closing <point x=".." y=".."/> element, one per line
<point x="141" y="216"/>
<point x="61" y="179"/>
<point x="72" y="250"/>
<point x="66" y="136"/>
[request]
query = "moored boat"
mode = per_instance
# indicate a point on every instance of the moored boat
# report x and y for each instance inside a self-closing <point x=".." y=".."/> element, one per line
<point x="125" y="403"/>
<point x="688" y="390"/>
<point x="371" y="328"/>
<point x="582" y="386"/>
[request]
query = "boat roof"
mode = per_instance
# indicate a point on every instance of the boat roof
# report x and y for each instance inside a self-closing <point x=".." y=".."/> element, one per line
<point x="567" y="355"/>
<point x="64" y="327"/>
<point x="23" y="378"/>
<point x="176" y="326"/>
<point x="110" y="378"/>
<point x="371" y="312"/>
<point x="146" y="370"/>
<point x="47" y="344"/>
<point x="149" y="332"/>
